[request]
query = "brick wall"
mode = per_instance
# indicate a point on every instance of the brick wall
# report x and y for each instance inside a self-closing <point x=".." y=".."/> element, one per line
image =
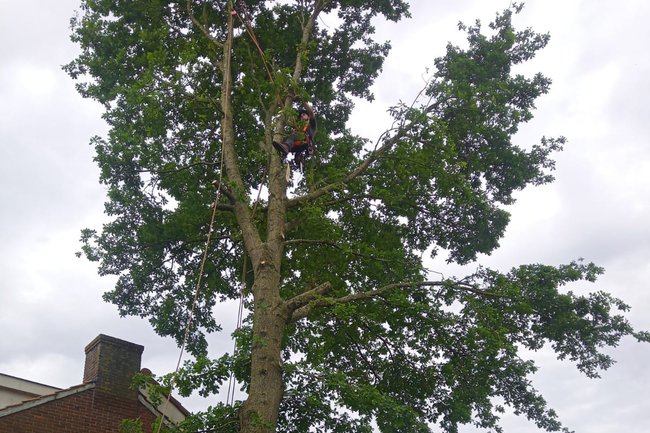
<point x="90" y="411"/>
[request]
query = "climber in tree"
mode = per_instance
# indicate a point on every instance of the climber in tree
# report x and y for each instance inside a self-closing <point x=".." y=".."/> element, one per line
<point x="301" y="141"/>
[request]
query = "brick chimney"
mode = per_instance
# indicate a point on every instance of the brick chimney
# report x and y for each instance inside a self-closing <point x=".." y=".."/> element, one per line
<point x="111" y="364"/>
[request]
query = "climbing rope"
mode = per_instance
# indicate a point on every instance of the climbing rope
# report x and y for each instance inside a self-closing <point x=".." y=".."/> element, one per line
<point x="242" y="15"/>
<point x="230" y="396"/>
<point x="196" y="293"/>
<point x="199" y="279"/>
<point x="246" y="21"/>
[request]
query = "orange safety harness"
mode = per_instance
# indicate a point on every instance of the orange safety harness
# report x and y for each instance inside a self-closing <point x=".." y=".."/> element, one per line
<point x="305" y="139"/>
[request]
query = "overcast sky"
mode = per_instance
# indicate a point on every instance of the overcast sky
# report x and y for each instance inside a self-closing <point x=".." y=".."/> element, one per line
<point x="598" y="208"/>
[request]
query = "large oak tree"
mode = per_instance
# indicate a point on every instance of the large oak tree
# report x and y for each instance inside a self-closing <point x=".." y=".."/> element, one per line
<point x="345" y="328"/>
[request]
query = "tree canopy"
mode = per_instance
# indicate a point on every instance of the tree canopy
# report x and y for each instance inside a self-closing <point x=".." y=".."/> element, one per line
<point x="346" y="330"/>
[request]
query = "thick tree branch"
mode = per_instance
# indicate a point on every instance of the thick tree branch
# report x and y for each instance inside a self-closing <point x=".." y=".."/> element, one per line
<point x="250" y="234"/>
<point x="225" y="207"/>
<point x="308" y="296"/>
<point x="303" y="311"/>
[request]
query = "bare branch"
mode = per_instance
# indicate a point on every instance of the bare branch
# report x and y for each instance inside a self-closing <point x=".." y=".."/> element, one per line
<point x="251" y="236"/>
<point x="369" y="366"/>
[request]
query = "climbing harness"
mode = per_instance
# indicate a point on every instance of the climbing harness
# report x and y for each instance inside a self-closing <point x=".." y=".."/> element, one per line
<point x="305" y="138"/>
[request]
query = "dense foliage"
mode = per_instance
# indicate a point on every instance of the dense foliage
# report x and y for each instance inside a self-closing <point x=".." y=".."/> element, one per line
<point x="347" y="331"/>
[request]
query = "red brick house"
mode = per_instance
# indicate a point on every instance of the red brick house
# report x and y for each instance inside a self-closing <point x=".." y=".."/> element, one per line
<point x="98" y="405"/>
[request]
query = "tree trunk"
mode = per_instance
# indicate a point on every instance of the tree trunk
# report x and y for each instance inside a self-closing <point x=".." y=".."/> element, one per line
<point x="259" y="413"/>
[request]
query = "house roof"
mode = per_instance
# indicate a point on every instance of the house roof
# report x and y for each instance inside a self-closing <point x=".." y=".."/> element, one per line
<point x="23" y="385"/>
<point x="32" y="402"/>
<point x="109" y="368"/>
<point x="174" y="411"/>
